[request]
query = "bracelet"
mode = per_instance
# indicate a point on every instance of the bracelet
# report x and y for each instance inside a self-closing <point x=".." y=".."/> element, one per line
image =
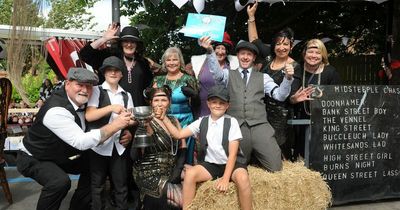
<point x="251" y="20"/>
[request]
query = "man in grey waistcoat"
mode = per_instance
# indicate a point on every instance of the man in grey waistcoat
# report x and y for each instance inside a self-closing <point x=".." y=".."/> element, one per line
<point x="247" y="88"/>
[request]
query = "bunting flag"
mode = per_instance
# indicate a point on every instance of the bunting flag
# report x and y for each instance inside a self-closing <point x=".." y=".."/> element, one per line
<point x="198" y="5"/>
<point x="179" y="3"/>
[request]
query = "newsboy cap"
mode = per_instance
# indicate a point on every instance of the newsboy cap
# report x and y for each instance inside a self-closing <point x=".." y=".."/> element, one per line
<point x="112" y="61"/>
<point x="246" y="45"/>
<point x="82" y="75"/>
<point x="219" y="91"/>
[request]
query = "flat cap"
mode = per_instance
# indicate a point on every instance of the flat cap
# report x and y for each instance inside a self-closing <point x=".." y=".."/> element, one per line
<point x="246" y="45"/>
<point x="219" y="91"/>
<point x="112" y="61"/>
<point x="82" y="75"/>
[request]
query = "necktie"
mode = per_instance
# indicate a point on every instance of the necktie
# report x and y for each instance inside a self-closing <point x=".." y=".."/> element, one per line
<point x="245" y="71"/>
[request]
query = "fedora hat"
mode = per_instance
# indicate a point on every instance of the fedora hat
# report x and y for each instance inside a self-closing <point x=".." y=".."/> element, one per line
<point x="130" y="33"/>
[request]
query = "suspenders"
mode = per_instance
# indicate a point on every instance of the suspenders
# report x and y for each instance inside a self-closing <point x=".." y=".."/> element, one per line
<point x="225" y="142"/>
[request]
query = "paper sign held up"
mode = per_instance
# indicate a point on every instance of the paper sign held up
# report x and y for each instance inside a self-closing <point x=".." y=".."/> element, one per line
<point x="199" y="25"/>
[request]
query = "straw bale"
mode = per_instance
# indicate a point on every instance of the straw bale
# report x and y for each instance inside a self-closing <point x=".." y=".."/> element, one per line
<point x="295" y="187"/>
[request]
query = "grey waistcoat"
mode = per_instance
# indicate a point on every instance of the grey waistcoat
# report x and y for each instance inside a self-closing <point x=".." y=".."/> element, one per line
<point x="247" y="103"/>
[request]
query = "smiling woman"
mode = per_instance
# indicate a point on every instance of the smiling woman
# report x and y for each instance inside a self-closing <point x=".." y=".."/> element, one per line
<point x="184" y="89"/>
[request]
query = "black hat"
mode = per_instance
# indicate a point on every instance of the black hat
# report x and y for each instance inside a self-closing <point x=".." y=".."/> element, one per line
<point x="130" y="33"/>
<point x="246" y="45"/>
<point x="82" y="75"/>
<point x="219" y="91"/>
<point x="112" y="61"/>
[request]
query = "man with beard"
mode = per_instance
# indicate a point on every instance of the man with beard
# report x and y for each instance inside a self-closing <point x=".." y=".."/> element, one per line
<point x="54" y="145"/>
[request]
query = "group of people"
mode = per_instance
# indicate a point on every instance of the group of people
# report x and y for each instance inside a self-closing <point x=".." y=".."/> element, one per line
<point x="47" y="88"/>
<point x="207" y="124"/>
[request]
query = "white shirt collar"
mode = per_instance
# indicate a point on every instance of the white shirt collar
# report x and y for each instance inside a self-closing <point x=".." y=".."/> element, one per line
<point x="76" y="107"/>
<point x="107" y="86"/>
<point x="218" y="122"/>
<point x="249" y="69"/>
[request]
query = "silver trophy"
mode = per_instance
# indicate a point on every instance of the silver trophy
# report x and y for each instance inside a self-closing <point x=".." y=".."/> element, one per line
<point x="142" y="114"/>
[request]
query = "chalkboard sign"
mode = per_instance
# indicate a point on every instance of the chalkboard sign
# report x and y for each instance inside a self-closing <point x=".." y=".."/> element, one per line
<point x="355" y="141"/>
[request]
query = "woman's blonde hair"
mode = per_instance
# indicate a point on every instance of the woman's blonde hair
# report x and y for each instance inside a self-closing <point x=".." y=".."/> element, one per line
<point x="316" y="43"/>
<point x="169" y="52"/>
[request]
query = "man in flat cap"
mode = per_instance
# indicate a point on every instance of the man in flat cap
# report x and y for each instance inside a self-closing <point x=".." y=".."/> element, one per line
<point x="247" y="88"/>
<point x="54" y="144"/>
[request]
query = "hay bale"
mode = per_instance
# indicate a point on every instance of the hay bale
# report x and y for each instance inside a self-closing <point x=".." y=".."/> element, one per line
<point x="295" y="187"/>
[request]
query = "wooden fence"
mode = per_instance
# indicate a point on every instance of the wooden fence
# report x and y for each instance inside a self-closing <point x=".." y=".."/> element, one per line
<point x="358" y="70"/>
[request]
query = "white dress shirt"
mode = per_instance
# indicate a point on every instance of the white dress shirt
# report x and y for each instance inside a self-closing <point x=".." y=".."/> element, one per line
<point x="215" y="151"/>
<point x="62" y="123"/>
<point x="280" y="93"/>
<point x="106" y="148"/>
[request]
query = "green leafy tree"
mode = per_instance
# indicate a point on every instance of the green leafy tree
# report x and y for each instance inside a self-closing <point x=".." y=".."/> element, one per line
<point x="162" y="24"/>
<point x="5" y="8"/>
<point x="70" y="14"/>
<point x="363" y="22"/>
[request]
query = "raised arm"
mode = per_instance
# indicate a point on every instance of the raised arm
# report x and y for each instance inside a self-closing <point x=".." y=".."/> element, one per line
<point x="251" y="22"/>
<point x="282" y="91"/>
<point x="108" y="35"/>
<point x="219" y="75"/>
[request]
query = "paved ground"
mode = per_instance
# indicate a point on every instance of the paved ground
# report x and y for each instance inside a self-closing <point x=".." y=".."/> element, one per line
<point x="26" y="192"/>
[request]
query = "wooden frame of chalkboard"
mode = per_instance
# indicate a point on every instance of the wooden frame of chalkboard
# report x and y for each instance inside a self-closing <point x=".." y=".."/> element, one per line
<point x="355" y="141"/>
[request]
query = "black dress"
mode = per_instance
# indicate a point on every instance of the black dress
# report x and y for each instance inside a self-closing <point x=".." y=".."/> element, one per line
<point x="140" y="78"/>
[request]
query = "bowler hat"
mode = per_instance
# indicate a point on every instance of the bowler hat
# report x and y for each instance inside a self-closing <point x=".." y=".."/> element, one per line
<point x="130" y="33"/>
<point x="246" y="45"/>
<point x="219" y="91"/>
<point x="82" y="75"/>
<point x="112" y="61"/>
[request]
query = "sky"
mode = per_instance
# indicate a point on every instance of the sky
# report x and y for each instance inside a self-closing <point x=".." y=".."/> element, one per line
<point x="102" y="12"/>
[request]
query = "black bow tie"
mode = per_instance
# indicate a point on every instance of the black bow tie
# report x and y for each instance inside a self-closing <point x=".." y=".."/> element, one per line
<point x="80" y="110"/>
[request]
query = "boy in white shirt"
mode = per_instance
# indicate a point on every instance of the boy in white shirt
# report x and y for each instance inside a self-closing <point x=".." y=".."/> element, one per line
<point x="219" y="155"/>
<point x="109" y="158"/>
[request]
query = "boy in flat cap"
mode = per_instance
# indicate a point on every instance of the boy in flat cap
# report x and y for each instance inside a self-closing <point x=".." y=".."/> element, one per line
<point x="219" y="152"/>
<point x="54" y="144"/>
<point x="247" y="89"/>
<point x="107" y="102"/>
